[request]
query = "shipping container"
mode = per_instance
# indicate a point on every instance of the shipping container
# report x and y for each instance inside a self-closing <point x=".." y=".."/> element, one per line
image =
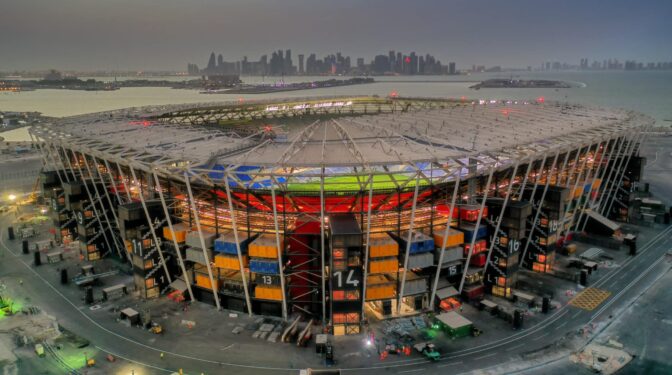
<point x="230" y="261"/>
<point x="203" y="280"/>
<point x="415" y="284"/>
<point x="380" y="287"/>
<point x="226" y="243"/>
<point x="273" y="293"/>
<point x="179" y="233"/>
<point x="479" y="247"/>
<point x="264" y="266"/>
<point x="383" y="265"/>
<point x="382" y="245"/>
<point x="455" y="237"/>
<point x="478" y="260"/>
<point x="449" y="255"/>
<point x="469" y="213"/>
<point x="470" y="231"/>
<point x="194" y="240"/>
<point x="473" y="292"/>
<point x="264" y="246"/>
<point x="501" y="291"/>
<point x="421" y="260"/>
<point x="454" y="324"/>
<point x="420" y="242"/>
<point x="345" y="231"/>
<point x="196" y="255"/>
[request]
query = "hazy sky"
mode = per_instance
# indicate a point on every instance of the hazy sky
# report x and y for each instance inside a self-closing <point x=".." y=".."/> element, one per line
<point x="167" y="34"/>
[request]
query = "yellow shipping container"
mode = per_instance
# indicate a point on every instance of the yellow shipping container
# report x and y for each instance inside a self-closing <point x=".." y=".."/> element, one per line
<point x="268" y="292"/>
<point x="501" y="291"/>
<point x="455" y="237"/>
<point x="203" y="280"/>
<point x="264" y="247"/>
<point x="384" y="250"/>
<point x="339" y="329"/>
<point x="383" y="265"/>
<point x="376" y="292"/>
<point x="229" y="262"/>
<point x="180" y="233"/>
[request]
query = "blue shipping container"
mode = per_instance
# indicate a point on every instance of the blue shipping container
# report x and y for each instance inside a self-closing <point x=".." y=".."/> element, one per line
<point x="470" y="231"/>
<point x="264" y="266"/>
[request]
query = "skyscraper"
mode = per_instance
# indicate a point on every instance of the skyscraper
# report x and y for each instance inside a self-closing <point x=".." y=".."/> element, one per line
<point x="301" y="71"/>
<point x="451" y="68"/>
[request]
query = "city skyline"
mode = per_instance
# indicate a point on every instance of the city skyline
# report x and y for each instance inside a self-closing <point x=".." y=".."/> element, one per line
<point x="118" y="37"/>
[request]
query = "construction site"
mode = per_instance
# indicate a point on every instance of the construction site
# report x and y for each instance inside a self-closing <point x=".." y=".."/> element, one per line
<point x="325" y="218"/>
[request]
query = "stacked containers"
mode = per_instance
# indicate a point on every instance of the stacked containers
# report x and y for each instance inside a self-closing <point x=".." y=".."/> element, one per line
<point x="264" y="262"/>
<point x="420" y="250"/>
<point x="194" y="253"/>
<point x="541" y="250"/>
<point x="473" y="289"/>
<point x="381" y="283"/>
<point x="501" y="275"/>
<point x="346" y="277"/>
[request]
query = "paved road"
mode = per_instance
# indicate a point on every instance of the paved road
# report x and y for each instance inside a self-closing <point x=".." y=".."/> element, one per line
<point x="624" y="283"/>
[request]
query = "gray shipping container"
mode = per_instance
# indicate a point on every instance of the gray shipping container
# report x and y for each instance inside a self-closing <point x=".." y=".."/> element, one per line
<point x="193" y="240"/>
<point x="196" y="255"/>
<point x="450" y="254"/>
<point x="420" y="260"/>
<point x="415" y="286"/>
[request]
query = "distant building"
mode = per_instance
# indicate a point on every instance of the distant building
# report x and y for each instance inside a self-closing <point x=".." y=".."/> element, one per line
<point x="301" y="71"/>
<point x="451" y="68"/>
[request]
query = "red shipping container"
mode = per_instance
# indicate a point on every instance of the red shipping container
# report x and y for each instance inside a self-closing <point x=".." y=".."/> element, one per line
<point x="474" y="292"/>
<point x="471" y="214"/>
<point x="479" y="246"/>
<point x="444" y="208"/>
<point x="478" y="260"/>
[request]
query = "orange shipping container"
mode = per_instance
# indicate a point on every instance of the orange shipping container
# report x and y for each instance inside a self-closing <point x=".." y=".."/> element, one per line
<point x="229" y="262"/>
<point x="455" y="237"/>
<point x="264" y="247"/>
<point x="268" y="292"/>
<point x="384" y="265"/>
<point x="180" y="232"/>
<point x="383" y="247"/>
<point x="203" y="280"/>
<point x="376" y="292"/>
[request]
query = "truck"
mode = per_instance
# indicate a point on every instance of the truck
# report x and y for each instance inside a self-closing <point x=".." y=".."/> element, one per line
<point x="428" y="350"/>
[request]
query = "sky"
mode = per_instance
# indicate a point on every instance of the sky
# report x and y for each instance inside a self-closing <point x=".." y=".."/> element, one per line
<point x="168" y="34"/>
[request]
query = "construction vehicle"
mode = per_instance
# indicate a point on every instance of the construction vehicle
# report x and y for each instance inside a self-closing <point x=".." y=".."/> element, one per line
<point x="428" y="350"/>
<point x="90" y="362"/>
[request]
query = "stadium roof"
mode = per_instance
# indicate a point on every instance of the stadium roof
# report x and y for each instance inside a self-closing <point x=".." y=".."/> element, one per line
<point x="337" y="135"/>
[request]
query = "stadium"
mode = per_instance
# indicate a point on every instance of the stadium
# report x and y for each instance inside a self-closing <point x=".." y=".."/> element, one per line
<point x="342" y="209"/>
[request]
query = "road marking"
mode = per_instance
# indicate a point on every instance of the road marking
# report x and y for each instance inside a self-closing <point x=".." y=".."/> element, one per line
<point x="450" y="364"/>
<point x="407" y="371"/>
<point x="515" y="347"/>
<point x="540" y="337"/>
<point x="627" y="287"/>
<point x="576" y="314"/>
<point x="560" y="326"/>
<point x="486" y="356"/>
<point x="590" y="298"/>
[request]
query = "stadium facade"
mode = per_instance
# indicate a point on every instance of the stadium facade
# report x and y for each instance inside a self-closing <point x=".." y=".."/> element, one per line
<point x="337" y="208"/>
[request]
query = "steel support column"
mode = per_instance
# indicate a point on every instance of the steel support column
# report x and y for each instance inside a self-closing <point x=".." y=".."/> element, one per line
<point x="486" y="190"/>
<point x="453" y="200"/>
<point x="235" y="236"/>
<point x="157" y="243"/>
<point x="172" y="230"/>
<point x="541" y="203"/>
<point x="594" y="173"/>
<point x="365" y="270"/>
<point x="501" y="216"/>
<point x="215" y="290"/>
<point x="408" y="243"/>
<point x="280" y="246"/>
<point x="637" y="138"/>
